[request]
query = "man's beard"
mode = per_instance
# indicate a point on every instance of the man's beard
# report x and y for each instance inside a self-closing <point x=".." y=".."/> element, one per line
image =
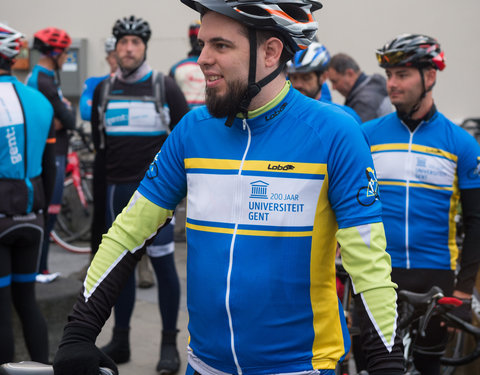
<point x="228" y="104"/>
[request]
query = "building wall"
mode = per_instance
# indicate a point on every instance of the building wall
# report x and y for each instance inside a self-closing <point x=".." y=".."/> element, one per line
<point x="356" y="27"/>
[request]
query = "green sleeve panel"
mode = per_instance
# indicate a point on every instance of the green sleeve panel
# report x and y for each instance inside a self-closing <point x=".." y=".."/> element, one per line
<point x="139" y="221"/>
<point x="369" y="266"/>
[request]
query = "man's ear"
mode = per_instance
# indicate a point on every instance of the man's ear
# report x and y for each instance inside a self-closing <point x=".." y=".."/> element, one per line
<point x="322" y="78"/>
<point x="272" y="50"/>
<point x="430" y="76"/>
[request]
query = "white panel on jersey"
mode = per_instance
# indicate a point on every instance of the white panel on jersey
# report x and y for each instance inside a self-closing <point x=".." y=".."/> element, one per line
<point x="133" y="117"/>
<point x="10" y="108"/>
<point x="271" y="201"/>
<point x="414" y="166"/>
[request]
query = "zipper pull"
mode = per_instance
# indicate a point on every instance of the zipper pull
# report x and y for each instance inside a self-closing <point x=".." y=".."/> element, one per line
<point x="244" y="124"/>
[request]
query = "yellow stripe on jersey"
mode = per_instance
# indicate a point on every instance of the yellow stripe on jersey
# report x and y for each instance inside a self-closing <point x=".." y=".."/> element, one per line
<point x="418" y="148"/>
<point x="257" y="165"/>
<point x="326" y="348"/>
<point x="452" y="225"/>
<point x="248" y="232"/>
<point x="415" y="184"/>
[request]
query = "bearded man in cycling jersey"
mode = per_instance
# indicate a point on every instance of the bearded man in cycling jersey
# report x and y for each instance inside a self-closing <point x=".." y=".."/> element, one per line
<point x="425" y="165"/>
<point x="130" y="122"/>
<point x="273" y="180"/>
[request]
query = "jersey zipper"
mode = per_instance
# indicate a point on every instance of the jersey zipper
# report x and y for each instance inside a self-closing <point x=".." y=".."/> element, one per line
<point x="236" y="216"/>
<point x="407" y="195"/>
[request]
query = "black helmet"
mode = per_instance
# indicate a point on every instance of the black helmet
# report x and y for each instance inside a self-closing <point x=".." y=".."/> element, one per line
<point x="291" y="18"/>
<point x="132" y="26"/>
<point x="411" y="50"/>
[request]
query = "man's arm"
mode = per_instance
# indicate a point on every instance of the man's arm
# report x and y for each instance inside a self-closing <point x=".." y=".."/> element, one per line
<point x="62" y="112"/>
<point x="470" y="255"/>
<point x="115" y="260"/>
<point x="365" y="259"/>
<point x="48" y="167"/>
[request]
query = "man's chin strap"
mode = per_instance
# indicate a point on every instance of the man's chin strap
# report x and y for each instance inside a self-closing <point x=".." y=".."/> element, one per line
<point x="253" y="87"/>
<point x="406" y="117"/>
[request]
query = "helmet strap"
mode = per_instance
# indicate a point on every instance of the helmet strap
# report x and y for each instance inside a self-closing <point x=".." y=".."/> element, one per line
<point x="253" y="87"/>
<point x="416" y="106"/>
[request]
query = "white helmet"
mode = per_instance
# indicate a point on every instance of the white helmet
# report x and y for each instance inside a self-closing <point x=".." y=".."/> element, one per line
<point x="10" y="42"/>
<point x="110" y="44"/>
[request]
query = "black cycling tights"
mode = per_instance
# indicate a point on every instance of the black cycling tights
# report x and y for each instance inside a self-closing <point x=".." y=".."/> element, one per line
<point x="168" y="294"/>
<point x="19" y="250"/>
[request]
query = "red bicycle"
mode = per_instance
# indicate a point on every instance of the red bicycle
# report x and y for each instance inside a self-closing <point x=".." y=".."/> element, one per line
<point x="72" y="228"/>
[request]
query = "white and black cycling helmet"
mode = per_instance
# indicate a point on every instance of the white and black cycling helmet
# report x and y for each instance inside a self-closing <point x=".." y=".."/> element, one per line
<point x="291" y="18"/>
<point x="110" y="44"/>
<point x="314" y="59"/>
<point x="414" y="50"/>
<point x="10" y="42"/>
<point x="132" y="26"/>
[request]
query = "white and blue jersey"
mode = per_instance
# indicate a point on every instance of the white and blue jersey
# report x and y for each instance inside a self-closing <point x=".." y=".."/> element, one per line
<point x="421" y="174"/>
<point x="26" y="119"/>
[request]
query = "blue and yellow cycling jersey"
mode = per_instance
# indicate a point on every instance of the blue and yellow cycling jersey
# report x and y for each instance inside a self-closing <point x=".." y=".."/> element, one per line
<point x="421" y="174"/>
<point x="267" y="200"/>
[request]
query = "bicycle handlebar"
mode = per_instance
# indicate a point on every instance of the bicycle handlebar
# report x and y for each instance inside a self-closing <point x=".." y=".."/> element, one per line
<point x="35" y="368"/>
<point x="423" y="306"/>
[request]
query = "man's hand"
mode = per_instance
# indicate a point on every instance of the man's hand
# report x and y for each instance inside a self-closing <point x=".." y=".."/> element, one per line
<point x="78" y="355"/>
<point x="464" y="311"/>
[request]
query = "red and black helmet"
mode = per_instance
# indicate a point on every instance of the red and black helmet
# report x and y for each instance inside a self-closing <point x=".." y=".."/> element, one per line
<point x="414" y="50"/>
<point x="51" y="41"/>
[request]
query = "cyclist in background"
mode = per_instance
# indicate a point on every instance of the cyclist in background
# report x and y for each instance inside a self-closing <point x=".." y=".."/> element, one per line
<point x="129" y="125"/>
<point x="187" y="72"/>
<point x="425" y="164"/>
<point x="53" y="44"/>
<point x="98" y="225"/>
<point x="268" y="195"/>
<point x="307" y="72"/>
<point x="366" y="94"/>
<point x="27" y="175"/>
<point x="91" y="83"/>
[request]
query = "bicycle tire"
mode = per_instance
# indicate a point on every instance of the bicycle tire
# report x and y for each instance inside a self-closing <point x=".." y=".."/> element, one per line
<point x="79" y="249"/>
<point x="74" y="220"/>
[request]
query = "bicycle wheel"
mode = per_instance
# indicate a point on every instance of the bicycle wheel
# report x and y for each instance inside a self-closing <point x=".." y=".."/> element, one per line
<point x="72" y="228"/>
<point x="78" y="247"/>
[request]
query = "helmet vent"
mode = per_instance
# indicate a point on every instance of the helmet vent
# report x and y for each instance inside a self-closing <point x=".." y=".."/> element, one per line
<point x="253" y="10"/>
<point x="295" y="12"/>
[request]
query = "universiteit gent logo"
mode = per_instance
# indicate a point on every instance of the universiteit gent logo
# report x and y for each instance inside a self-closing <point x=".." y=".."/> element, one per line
<point x="259" y="190"/>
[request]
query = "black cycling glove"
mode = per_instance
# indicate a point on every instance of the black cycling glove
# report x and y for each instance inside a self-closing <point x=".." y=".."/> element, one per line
<point x="464" y="311"/>
<point x="78" y="355"/>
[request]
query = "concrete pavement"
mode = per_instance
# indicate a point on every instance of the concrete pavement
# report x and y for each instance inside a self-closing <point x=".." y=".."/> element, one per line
<point x="146" y="326"/>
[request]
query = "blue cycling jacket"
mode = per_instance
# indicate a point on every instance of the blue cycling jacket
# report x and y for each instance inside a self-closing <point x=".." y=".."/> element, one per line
<point x="421" y="174"/>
